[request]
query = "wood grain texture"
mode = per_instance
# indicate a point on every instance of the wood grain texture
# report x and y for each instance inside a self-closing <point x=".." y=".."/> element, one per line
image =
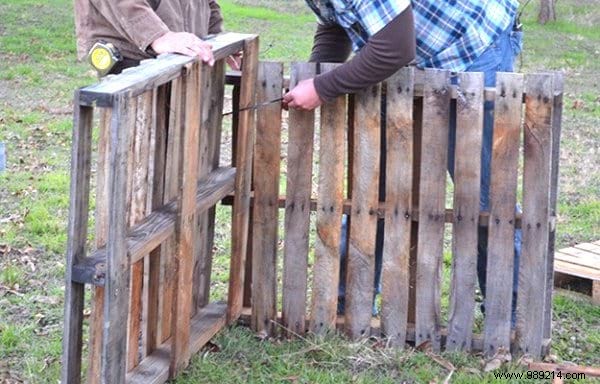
<point x="81" y="154"/>
<point x="365" y="199"/>
<point x="139" y="210"/>
<point x="154" y="369"/>
<point x="467" y="171"/>
<point x="326" y="270"/>
<point x="536" y="205"/>
<point x="436" y="109"/>
<point x="554" y="172"/>
<point x="398" y="195"/>
<point x="153" y="73"/>
<point x="186" y="216"/>
<point x="116" y="306"/>
<point x="244" y="154"/>
<point x="297" y="209"/>
<point x="265" y="217"/>
<point x="503" y="187"/>
<point x="168" y="266"/>
<point x="101" y="234"/>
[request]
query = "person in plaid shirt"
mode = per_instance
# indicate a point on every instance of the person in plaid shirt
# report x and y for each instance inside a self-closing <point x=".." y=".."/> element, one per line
<point x="458" y="35"/>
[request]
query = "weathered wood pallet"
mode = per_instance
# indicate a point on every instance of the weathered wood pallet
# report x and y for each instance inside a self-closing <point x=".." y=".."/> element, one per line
<point x="415" y="124"/>
<point x="157" y="188"/>
<point x="158" y="181"/>
<point x="578" y="268"/>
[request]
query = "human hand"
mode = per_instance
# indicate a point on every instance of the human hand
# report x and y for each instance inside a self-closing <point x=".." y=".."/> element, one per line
<point x="235" y="61"/>
<point x="185" y="43"/>
<point x="303" y="97"/>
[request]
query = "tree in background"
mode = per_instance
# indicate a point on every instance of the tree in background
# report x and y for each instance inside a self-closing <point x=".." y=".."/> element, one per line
<point x="547" y="11"/>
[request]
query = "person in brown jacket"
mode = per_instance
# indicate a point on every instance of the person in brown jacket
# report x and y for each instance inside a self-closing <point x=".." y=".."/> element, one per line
<point x="142" y="29"/>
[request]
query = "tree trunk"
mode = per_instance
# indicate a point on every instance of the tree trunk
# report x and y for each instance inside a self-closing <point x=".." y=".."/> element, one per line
<point x="547" y="11"/>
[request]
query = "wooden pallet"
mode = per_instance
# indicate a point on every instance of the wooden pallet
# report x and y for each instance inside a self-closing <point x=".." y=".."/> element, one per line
<point x="578" y="268"/>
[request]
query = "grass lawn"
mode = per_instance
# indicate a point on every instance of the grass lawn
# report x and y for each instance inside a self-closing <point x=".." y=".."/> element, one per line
<point x="37" y="79"/>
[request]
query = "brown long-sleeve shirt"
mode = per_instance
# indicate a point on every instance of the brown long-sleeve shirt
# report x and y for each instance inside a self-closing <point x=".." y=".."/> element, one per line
<point x="386" y="51"/>
<point x="132" y="25"/>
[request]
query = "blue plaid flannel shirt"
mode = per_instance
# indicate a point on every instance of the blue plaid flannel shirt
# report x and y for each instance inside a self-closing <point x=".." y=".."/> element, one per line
<point x="451" y="34"/>
<point x="359" y="18"/>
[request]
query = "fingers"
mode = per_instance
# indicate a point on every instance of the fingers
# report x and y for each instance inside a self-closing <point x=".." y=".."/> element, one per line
<point x="186" y="44"/>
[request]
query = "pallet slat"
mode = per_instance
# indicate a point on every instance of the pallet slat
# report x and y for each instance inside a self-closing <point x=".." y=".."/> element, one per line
<point x="78" y="214"/>
<point x="267" y="159"/>
<point x="116" y="304"/>
<point x="329" y="213"/>
<point x="554" y="172"/>
<point x="503" y="189"/>
<point x="536" y="205"/>
<point x="297" y="210"/>
<point x="244" y="155"/>
<point x="186" y="216"/>
<point x="436" y="109"/>
<point x="365" y="199"/>
<point x="398" y="222"/>
<point x="101" y="234"/>
<point x="140" y="189"/>
<point x="467" y="171"/>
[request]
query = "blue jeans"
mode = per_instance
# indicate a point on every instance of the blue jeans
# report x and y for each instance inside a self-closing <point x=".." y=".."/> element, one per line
<point x="499" y="57"/>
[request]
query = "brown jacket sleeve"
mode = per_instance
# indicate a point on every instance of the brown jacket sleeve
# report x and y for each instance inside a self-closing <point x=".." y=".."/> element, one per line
<point x="387" y="51"/>
<point x="215" y="24"/>
<point x="133" y="19"/>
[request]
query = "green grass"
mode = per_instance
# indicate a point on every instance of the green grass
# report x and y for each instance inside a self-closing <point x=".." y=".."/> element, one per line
<point x="37" y="80"/>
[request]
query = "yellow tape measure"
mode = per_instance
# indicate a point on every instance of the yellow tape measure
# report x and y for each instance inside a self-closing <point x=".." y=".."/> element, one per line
<point x="103" y="56"/>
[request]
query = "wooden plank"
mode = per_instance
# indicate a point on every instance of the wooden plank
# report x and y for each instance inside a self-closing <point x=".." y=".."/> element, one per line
<point x="467" y="171"/>
<point x="139" y="209"/>
<point x="436" y="109"/>
<point x="536" y="206"/>
<point x="81" y="154"/>
<point x="244" y="153"/>
<point x="398" y="194"/>
<point x="503" y="187"/>
<point x="581" y="258"/>
<point x="154" y="369"/>
<point x="174" y="138"/>
<point x="186" y="215"/>
<point x="596" y="292"/>
<point x="116" y="305"/>
<point x="212" y="117"/>
<point x="448" y="218"/>
<point x="297" y="210"/>
<point x="265" y="218"/>
<point x="204" y="326"/>
<point x="326" y="270"/>
<point x="101" y="234"/>
<point x="574" y="269"/>
<point x="554" y="172"/>
<point x="160" y="123"/>
<point x="153" y="73"/>
<point x="591" y="248"/>
<point x="365" y="198"/>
